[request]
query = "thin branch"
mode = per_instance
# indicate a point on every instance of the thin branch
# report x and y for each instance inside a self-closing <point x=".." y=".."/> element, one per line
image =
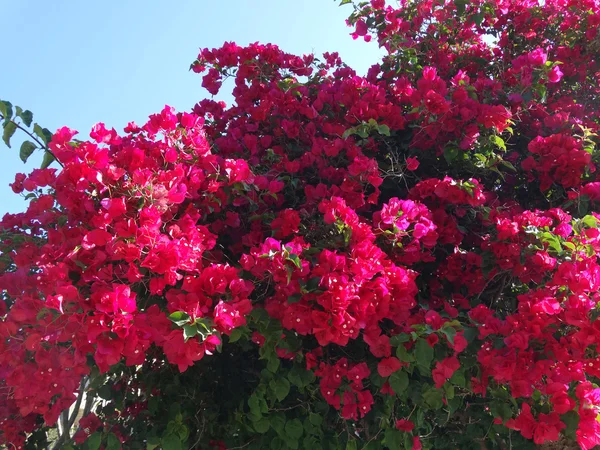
<point x="242" y="446"/>
<point x="64" y="422"/>
<point x="65" y="435"/>
<point x="89" y="403"/>
<point x="32" y="136"/>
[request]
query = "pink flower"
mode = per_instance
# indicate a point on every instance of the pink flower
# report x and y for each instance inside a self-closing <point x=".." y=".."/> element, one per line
<point x="388" y="366"/>
<point x="435" y="103"/>
<point x="592" y="190"/>
<point x="412" y="164"/>
<point x="555" y="75"/>
<point x="405" y="425"/>
<point x="361" y="28"/>
<point x="444" y="370"/>
<point x="538" y="57"/>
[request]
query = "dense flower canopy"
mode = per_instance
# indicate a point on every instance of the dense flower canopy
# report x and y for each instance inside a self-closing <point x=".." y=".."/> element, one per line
<point x="406" y="259"/>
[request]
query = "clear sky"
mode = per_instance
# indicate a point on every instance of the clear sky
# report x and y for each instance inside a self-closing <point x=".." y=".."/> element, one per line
<point x="79" y="62"/>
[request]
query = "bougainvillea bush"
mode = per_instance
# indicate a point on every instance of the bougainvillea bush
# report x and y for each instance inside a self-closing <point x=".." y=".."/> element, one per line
<point x="406" y="259"/>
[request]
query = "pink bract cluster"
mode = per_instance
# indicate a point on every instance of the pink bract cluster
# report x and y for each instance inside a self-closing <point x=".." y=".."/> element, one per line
<point x="429" y="227"/>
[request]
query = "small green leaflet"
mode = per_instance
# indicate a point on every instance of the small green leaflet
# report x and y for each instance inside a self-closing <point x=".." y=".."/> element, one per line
<point x="9" y="130"/>
<point x="112" y="442"/>
<point x="262" y="425"/>
<point x="48" y="159"/>
<point x="6" y="109"/>
<point x="294" y="429"/>
<point x="424" y="353"/>
<point x="26" y="116"/>
<point x="399" y="381"/>
<point x="179" y="318"/>
<point x="27" y="148"/>
<point x="171" y="442"/>
<point x="281" y="387"/>
<point x="93" y="442"/>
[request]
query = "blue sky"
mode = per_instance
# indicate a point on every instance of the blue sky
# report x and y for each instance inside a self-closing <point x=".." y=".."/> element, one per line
<point x="76" y="63"/>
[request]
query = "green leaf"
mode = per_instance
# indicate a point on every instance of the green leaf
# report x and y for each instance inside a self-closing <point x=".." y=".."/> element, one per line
<point x="308" y="377"/>
<point x="179" y="318"/>
<point x="458" y="378"/>
<point x="362" y="132"/>
<point x="93" y="442"/>
<point x="40" y="132"/>
<point x="393" y="439"/>
<point x="295" y="298"/>
<point x="262" y="426"/>
<point x="273" y="363"/>
<point x="27" y="117"/>
<point x="449" y="332"/>
<point x="6" y="109"/>
<point x="235" y="335"/>
<point x="589" y="250"/>
<point x="189" y="331"/>
<point x="48" y="159"/>
<point x="315" y="419"/>
<point x="254" y="404"/>
<point x="277" y="444"/>
<point x="590" y="221"/>
<point x="478" y="18"/>
<point x="454" y="404"/>
<point x="27" y="148"/>
<point x="112" y="442"/>
<point x="351" y="445"/>
<point x="399" y="381"/>
<point x="294" y="429"/>
<point x="153" y="440"/>
<point x="495" y="139"/>
<point x="584" y="205"/>
<point x="384" y="129"/>
<point x="300" y="377"/>
<point x="508" y="165"/>
<point x="552" y="240"/>
<point x="450" y="154"/>
<point x="471" y="334"/>
<point x="9" y="130"/>
<point x="277" y="422"/>
<point x="449" y="389"/>
<point x="395" y="341"/>
<point x="542" y="91"/>
<point x="434" y="398"/>
<point x="171" y="442"/>
<point x="571" y="420"/>
<point x="408" y="441"/>
<point x="296" y="260"/>
<point x="345" y="2"/>
<point x="313" y="284"/>
<point x="460" y="6"/>
<point x="501" y="410"/>
<point x="403" y="355"/>
<point x="424" y="353"/>
<point x="281" y="387"/>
